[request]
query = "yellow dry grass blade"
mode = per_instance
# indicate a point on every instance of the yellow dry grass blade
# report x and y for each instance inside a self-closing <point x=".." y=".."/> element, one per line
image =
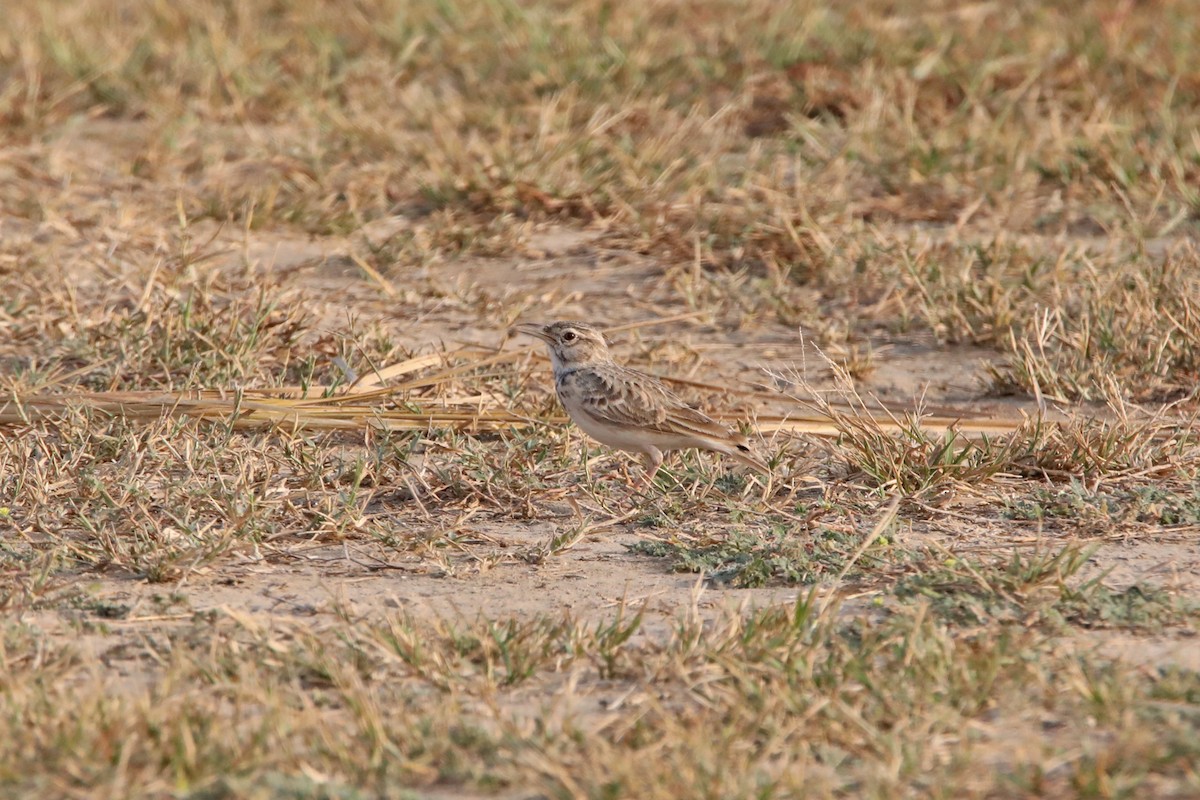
<point x="251" y="409"/>
<point x="430" y="394"/>
<point x="816" y="425"/>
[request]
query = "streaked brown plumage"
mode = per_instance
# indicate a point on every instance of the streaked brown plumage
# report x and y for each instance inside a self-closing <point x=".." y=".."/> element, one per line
<point x="627" y="409"/>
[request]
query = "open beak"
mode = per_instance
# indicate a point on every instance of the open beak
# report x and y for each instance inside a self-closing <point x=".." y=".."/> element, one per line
<point x="533" y="329"/>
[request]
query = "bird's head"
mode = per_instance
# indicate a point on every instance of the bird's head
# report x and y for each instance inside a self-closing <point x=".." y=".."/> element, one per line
<point x="571" y="344"/>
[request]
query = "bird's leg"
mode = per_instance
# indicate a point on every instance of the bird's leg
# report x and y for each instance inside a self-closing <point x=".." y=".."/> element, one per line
<point x="587" y="465"/>
<point x="652" y="459"/>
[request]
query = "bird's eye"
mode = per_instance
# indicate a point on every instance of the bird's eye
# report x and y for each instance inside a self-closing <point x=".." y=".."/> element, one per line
<point x="569" y="336"/>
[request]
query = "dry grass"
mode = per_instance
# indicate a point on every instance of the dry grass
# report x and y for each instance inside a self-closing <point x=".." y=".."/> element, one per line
<point x="257" y="404"/>
<point x="723" y="709"/>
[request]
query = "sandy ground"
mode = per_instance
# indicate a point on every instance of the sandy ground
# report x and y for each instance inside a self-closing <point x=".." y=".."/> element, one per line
<point x="567" y="275"/>
<point x="559" y="273"/>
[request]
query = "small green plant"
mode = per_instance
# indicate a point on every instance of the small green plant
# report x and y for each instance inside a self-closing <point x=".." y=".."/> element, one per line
<point x="779" y="555"/>
<point x="1040" y="587"/>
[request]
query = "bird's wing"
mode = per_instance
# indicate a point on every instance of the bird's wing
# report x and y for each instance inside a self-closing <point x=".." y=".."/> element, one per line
<point x="623" y="396"/>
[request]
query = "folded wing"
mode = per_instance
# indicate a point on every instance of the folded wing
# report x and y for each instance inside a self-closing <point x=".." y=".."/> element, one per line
<point x="622" y="396"/>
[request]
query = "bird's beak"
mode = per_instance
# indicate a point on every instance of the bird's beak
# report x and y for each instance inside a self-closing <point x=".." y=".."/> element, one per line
<point x="533" y="329"/>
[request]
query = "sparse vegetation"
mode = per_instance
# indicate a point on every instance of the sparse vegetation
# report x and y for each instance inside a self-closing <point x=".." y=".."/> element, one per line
<point x="284" y="514"/>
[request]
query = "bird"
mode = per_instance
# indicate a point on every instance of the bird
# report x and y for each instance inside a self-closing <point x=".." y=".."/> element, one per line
<point x="624" y="408"/>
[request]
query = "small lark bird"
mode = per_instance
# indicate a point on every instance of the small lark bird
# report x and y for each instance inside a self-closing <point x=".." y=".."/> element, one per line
<point x="626" y="409"/>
